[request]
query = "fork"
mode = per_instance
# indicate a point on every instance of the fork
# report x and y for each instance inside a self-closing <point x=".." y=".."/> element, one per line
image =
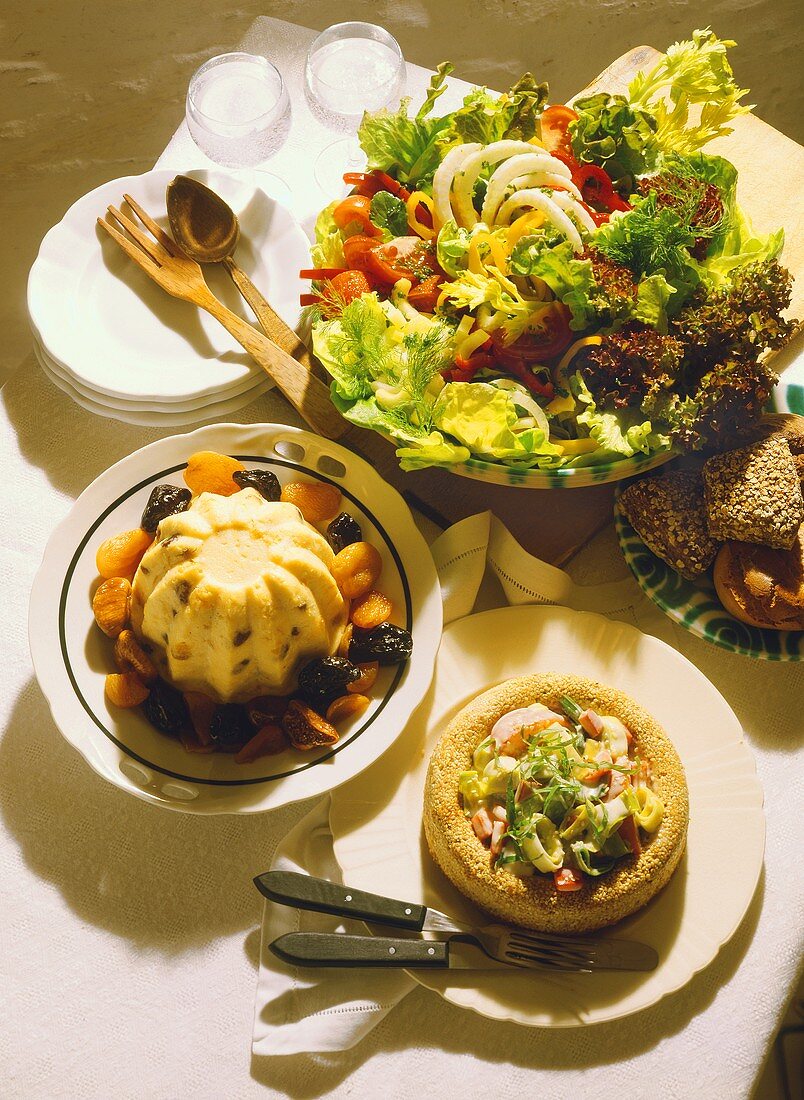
<point x="160" y="258"/>
<point x="508" y="945"/>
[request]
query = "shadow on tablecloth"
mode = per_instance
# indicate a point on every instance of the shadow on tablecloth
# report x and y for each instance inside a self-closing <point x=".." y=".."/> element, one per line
<point x="158" y="878"/>
<point x="426" y="1026"/>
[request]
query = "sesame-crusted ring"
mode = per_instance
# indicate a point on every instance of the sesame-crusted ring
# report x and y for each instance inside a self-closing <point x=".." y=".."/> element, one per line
<point x="533" y="902"/>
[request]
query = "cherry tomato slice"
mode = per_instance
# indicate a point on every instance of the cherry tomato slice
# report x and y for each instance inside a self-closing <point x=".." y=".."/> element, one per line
<point x="554" y="124"/>
<point x="357" y="208"/>
<point x="533" y="347"/>
<point x="402" y="258"/>
<point x="425" y="296"/>
<point x="356" y="250"/>
<point x="349" y="285"/>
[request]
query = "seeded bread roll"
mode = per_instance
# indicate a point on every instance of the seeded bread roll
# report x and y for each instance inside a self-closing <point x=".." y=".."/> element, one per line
<point x="785" y="426"/>
<point x="533" y="902"/>
<point x="668" y="514"/>
<point x="753" y="494"/>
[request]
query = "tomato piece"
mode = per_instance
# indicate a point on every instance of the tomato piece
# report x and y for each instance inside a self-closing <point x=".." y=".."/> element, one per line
<point x="402" y="258"/>
<point x="310" y="299"/>
<point x="568" y="880"/>
<point x="554" y="124"/>
<point x="629" y="834"/>
<point x="425" y="296"/>
<point x="356" y="250"/>
<point x="349" y="285"/>
<point x="539" y="344"/>
<point x="356" y="208"/>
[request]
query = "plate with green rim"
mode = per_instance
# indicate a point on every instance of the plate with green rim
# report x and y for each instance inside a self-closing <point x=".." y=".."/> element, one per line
<point x="72" y="657"/>
<point x="695" y="606"/>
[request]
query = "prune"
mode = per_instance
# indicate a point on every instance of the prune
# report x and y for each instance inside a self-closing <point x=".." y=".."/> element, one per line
<point x="325" y="679"/>
<point x="266" y="483"/>
<point x="164" y="501"/>
<point x="386" y="643"/>
<point x="166" y="709"/>
<point x="230" y="725"/>
<point x="343" y="531"/>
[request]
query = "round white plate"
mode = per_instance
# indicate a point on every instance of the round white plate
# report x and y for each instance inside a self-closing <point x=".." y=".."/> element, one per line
<point x="260" y="383"/>
<point x="380" y="845"/>
<point x="788" y="396"/>
<point x="119" y="333"/>
<point x="138" y="412"/>
<point x="71" y="656"/>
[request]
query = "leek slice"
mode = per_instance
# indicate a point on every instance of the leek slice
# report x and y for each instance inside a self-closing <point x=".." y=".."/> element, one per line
<point x="651" y="809"/>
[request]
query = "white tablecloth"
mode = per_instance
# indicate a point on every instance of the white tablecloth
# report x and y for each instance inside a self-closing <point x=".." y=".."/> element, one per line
<point x="129" y="936"/>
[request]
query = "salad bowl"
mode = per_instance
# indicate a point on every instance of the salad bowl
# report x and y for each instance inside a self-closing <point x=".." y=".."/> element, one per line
<point x="551" y="296"/>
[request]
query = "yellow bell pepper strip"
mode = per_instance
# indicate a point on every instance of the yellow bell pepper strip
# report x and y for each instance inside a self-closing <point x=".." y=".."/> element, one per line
<point x="423" y="228"/>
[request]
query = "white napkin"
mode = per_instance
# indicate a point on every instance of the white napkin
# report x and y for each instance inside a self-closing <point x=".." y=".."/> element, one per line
<point x="302" y="1009"/>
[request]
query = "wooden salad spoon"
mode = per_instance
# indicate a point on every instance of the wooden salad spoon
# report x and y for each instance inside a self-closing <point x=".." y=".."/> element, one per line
<point x="206" y="229"/>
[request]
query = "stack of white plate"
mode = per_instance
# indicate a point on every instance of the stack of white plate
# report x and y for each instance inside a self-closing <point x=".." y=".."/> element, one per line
<point x="121" y="347"/>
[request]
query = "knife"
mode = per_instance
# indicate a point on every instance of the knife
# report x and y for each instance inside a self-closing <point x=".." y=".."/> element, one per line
<point x="511" y="946"/>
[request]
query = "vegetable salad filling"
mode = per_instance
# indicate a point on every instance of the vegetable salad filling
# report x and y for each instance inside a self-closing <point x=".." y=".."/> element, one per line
<point x="546" y="286"/>
<point x="559" y="793"/>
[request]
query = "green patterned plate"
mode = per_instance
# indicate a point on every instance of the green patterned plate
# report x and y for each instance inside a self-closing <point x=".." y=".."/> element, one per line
<point x="788" y="397"/>
<point x="695" y="606"/>
<point x="567" y="477"/>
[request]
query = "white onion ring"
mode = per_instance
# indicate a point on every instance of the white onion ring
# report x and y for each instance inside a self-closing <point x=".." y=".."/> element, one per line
<point x="442" y="180"/>
<point x="551" y="210"/>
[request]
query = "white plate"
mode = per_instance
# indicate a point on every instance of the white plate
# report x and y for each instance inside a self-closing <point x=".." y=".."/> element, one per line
<point x="119" y="333"/>
<point x="380" y="846"/>
<point x="71" y="657"/>
<point x="138" y="412"/>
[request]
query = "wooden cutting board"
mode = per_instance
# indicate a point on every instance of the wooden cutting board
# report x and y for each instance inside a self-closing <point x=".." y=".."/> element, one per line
<point x="553" y="524"/>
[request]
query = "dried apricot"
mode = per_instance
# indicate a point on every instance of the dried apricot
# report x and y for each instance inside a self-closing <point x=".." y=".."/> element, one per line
<point x="266" y="742"/>
<point x="111" y="605"/>
<point x="316" y="500"/>
<point x="346" y="641"/>
<point x="371" y="610"/>
<point x="131" y="657"/>
<point x="346" y="706"/>
<point x="125" y="689"/>
<point x="368" y="674"/>
<point x="210" y="472"/>
<point x="201" y="709"/>
<point x="305" y="728"/>
<point x="120" y="555"/>
<point x="356" y="569"/>
<point x="266" y="710"/>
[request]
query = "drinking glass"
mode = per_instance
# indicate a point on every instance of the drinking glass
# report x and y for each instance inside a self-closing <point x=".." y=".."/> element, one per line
<point x="351" y="68"/>
<point x="238" y="113"/>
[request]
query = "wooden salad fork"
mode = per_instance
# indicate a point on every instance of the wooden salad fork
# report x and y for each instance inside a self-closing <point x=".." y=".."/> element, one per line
<point x="161" y="259"/>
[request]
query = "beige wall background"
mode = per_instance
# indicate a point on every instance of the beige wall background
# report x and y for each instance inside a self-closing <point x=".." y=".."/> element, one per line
<point x="93" y="89"/>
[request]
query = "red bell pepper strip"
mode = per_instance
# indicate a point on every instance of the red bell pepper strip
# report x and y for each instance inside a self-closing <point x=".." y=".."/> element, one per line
<point x="319" y="273"/>
<point x="596" y="186"/>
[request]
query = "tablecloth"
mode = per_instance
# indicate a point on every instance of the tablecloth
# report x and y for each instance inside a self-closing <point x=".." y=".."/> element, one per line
<point x="129" y="936"/>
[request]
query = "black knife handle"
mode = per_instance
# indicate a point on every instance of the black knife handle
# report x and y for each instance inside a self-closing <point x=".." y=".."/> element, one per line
<point x="306" y="892"/>
<point x="336" y="949"/>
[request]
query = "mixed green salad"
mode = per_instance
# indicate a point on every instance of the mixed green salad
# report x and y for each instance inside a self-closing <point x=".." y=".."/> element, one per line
<point x="559" y="793"/>
<point x="551" y="286"/>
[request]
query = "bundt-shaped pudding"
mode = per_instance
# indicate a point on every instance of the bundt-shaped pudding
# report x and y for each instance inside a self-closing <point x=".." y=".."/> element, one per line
<point x="236" y="595"/>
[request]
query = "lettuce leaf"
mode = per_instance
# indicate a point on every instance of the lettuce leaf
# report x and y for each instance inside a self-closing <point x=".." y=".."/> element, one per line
<point x="402" y="146"/>
<point x="620" y="435"/>
<point x="481" y="417"/>
<point x="452" y="245"/>
<point x="328" y="248"/>
<point x="572" y="281"/>
<point x="486" y="118"/>
<point x="389" y="214"/>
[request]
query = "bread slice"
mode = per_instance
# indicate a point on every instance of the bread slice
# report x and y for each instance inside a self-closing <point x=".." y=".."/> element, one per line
<point x="533" y="902"/>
